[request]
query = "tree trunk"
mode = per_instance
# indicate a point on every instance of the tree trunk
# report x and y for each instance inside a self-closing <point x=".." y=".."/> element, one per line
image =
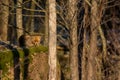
<point x="4" y="11"/>
<point x="85" y="50"/>
<point x="31" y="29"/>
<point x="72" y="13"/>
<point x="29" y="25"/>
<point x="46" y="25"/>
<point x="19" y="18"/>
<point x="52" y="41"/>
<point x="92" y="67"/>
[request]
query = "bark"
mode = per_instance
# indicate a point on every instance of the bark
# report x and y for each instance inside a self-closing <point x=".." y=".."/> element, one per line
<point x="84" y="60"/>
<point x="52" y="41"/>
<point x="104" y="58"/>
<point x="85" y="48"/>
<point x="72" y="10"/>
<point x="11" y="29"/>
<point x="92" y="68"/>
<point x="101" y="7"/>
<point x="29" y="26"/>
<point x="19" y="19"/>
<point x="4" y="11"/>
<point x="46" y="25"/>
<point x="31" y="29"/>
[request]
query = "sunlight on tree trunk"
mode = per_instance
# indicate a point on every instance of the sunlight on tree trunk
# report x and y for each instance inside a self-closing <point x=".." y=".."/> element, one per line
<point x="52" y="41"/>
<point x="4" y="20"/>
<point x="19" y="18"/>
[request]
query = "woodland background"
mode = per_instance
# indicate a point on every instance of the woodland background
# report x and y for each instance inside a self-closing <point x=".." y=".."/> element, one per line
<point x="80" y="39"/>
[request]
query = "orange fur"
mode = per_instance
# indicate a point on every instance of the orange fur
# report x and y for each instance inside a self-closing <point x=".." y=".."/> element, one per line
<point x="35" y="40"/>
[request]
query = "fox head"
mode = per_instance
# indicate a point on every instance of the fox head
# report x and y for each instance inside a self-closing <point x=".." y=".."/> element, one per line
<point x="29" y="40"/>
<point x="35" y="40"/>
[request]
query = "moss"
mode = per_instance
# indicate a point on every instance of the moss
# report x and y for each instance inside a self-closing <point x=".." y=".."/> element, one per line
<point x="5" y="57"/>
<point x="8" y="56"/>
<point x="38" y="49"/>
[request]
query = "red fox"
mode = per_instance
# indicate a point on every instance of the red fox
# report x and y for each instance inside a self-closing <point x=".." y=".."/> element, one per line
<point x="35" y="40"/>
<point x="29" y="40"/>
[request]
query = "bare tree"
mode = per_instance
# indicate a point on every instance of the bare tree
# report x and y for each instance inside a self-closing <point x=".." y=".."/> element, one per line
<point x="52" y="41"/>
<point x="46" y="24"/>
<point x="86" y="24"/>
<point x="19" y="18"/>
<point x="4" y="10"/>
<point x="93" y="43"/>
<point x="72" y="23"/>
<point x="29" y="26"/>
<point x="97" y="8"/>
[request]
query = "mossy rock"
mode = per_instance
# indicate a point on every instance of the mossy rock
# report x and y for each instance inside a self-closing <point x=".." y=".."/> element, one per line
<point x="16" y="57"/>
